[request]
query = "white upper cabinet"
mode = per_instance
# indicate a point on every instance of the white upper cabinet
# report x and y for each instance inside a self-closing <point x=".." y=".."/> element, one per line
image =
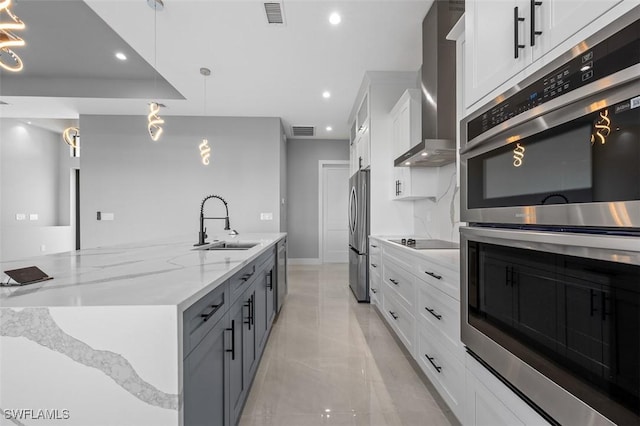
<point x="505" y="37"/>
<point x="406" y="116"/>
<point x="414" y="183"/>
<point x="362" y="118"/>
<point x="363" y="148"/>
<point x="557" y="20"/>
<point x="490" y="28"/>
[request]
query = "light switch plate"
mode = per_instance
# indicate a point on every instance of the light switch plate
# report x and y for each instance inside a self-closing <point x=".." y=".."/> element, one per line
<point x="21" y="216"/>
<point x="108" y="216"/>
<point x="266" y="216"/>
<point x="33" y="216"/>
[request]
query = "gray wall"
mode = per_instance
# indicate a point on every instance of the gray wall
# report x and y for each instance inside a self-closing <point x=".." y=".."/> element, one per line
<point x="30" y="173"/>
<point x="155" y="188"/>
<point x="302" y="185"/>
<point x="34" y="178"/>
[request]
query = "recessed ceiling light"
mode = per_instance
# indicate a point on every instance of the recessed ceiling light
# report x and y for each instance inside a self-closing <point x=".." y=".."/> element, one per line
<point x="28" y="122"/>
<point x="424" y="154"/>
<point x="335" y="19"/>
<point x="408" y="163"/>
<point x="326" y="94"/>
<point x="329" y="128"/>
<point x="121" y="56"/>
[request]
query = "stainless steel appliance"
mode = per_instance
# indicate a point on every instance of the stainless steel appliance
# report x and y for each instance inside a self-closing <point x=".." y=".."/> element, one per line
<point x="563" y="147"/>
<point x="437" y="146"/>
<point x="550" y="264"/>
<point x="281" y="278"/>
<point x="359" y="235"/>
<point x="557" y="317"/>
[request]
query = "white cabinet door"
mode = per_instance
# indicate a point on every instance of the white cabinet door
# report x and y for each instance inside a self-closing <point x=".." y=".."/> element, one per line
<point x="560" y="19"/>
<point x="364" y="149"/>
<point x="407" y="118"/>
<point x="491" y="45"/>
<point x="414" y="183"/>
<point x="353" y="159"/>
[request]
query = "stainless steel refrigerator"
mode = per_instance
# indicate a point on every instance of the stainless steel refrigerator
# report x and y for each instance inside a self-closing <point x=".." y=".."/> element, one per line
<point x="359" y="235"/>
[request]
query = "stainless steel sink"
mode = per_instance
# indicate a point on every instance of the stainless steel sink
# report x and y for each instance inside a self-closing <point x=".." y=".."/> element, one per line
<point x="226" y="245"/>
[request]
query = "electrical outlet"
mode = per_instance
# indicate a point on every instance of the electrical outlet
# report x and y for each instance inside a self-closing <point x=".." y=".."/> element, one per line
<point x="266" y="216"/>
<point x="43" y="247"/>
<point x="33" y="216"/>
<point x="21" y="216"/>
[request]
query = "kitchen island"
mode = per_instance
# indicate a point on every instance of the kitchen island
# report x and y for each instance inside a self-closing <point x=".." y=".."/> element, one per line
<point x="133" y="334"/>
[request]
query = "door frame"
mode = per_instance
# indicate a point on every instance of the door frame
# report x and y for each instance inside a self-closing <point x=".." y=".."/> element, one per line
<point x="321" y="165"/>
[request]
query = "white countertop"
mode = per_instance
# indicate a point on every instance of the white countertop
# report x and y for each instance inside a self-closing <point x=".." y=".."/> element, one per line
<point x="449" y="258"/>
<point x="165" y="272"/>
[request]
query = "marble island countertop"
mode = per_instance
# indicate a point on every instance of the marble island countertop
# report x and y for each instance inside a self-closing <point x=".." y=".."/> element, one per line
<point x="165" y="272"/>
<point x="449" y="257"/>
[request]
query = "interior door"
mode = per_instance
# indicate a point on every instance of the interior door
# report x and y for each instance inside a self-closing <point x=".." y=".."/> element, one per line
<point x="335" y="229"/>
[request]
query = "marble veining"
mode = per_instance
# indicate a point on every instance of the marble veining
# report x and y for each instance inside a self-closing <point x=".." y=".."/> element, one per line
<point x="168" y="272"/>
<point x="38" y="326"/>
<point x="443" y="212"/>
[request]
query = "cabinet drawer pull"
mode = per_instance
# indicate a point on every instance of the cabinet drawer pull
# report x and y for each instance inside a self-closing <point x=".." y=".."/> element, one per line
<point x="206" y="317"/>
<point x="249" y="304"/>
<point x="233" y="340"/>
<point x="534" y="33"/>
<point x="434" y="275"/>
<point x="437" y="367"/>
<point x="433" y="312"/>
<point x="246" y="277"/>
<point x="393" y="281"/>
<point x="393" y="314"/>
<point x="374" y="265"/>
<point x="516" y="43"/>
<point x="374" y="246"/>
<point x="374" y="291"/>
<point x="270" y="280"/>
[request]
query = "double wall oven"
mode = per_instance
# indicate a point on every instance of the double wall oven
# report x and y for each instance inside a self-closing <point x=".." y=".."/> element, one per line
<point x="551" y="254"/>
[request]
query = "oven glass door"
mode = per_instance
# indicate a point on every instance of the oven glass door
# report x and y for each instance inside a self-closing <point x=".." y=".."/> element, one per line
<point x="593" y="158"/>
<point x="574" y="319"/>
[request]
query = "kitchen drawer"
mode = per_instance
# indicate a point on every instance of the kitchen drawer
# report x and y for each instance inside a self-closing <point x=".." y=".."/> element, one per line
<point x="375" y="262"/>
<point x="446" y="371"/>
<point x="401" y="320"/>
<point x="401" y="282"/>
<point x="375" y="286"/>
<point x="200" y="317"/>
<point x="239" y="282"/>
<point x="440" y="277"/>
<point x="374" y="247"/>
<point x="403" y="259"/>
<point x="440" y="313"/>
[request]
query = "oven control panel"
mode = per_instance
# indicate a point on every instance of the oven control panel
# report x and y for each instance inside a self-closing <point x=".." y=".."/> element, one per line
<point x="614" y="54"/>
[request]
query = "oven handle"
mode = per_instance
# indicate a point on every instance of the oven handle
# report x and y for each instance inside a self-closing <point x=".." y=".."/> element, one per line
<point x="618" y="248"/>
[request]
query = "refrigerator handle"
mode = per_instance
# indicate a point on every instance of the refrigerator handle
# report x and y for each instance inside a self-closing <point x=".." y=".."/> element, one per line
<point x="352" y="216"/>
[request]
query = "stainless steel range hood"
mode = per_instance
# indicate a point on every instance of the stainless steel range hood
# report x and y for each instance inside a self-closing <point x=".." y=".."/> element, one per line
<point x="438" y="87"/>
<point x="428" y="153"/>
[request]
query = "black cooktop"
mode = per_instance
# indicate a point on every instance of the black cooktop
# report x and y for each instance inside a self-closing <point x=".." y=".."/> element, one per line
<point x="425" y="244"/>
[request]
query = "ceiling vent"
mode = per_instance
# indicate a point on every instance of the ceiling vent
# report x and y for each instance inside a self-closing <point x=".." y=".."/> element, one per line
<point x="274" y="11"/>
<point x="303" y="130"/>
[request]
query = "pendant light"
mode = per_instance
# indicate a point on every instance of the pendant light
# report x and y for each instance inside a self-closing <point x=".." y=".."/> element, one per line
<point x="205" y="149"/>
<point x="154" y="121"/>
<point x="8" y="39"/>
<point x="71" y="136"/>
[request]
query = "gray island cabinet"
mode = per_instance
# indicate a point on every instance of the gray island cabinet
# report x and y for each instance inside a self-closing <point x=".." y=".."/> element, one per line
<point x="141" y="334"/>
<point x="224" y="338"/>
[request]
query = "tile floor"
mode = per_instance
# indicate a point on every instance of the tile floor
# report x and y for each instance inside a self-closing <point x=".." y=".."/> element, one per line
<point x="331" y="361"/>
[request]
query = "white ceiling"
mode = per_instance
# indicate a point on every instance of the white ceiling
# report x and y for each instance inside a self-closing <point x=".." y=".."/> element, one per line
<point x="257" y="69"/>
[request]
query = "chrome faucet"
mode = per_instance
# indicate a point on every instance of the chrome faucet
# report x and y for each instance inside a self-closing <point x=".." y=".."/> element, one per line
<point x="202" y="236"/>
